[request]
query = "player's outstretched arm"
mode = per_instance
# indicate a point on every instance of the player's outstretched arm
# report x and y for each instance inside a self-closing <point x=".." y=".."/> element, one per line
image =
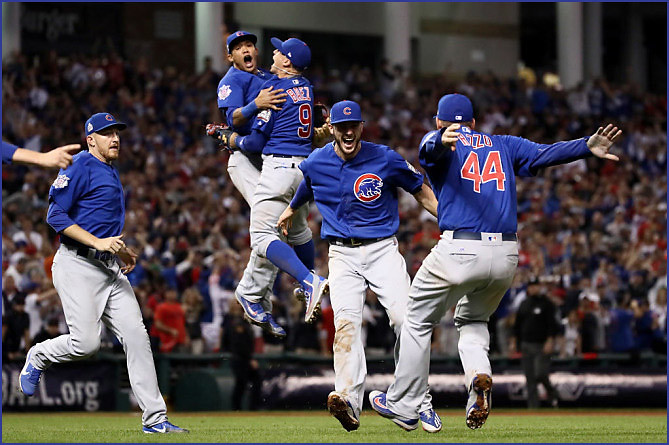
<point x="600" y="143"/>
<point x="59" y="157"/>
<point x="425" y="197"/>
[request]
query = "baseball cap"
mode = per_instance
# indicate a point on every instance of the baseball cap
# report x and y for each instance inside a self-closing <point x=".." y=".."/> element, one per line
<point x="296" y="50"/>
<point x="100" y="121"/>
<point x="345" y="111"/>
<point x="455" y="108"/>
<point x="238" y="36"/>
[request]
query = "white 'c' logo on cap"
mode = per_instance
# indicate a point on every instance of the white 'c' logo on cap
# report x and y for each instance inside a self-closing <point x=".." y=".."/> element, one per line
<point x="346" y="111"/>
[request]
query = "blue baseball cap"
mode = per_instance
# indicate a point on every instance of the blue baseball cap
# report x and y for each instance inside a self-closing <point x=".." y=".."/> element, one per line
<point x="100" y="121"/>
<point x="455" y="108"/>
<point x="345" y="111"/>
<point x="239" y="36"/>
<point x="296" y="50"/>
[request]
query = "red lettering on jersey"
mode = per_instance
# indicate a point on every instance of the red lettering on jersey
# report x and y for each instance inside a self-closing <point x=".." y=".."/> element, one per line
<point x="477" y="141"/>
<point x="470" y="170"/>
<point x="492" y="170"/>
<point x="299" y="94"/>
<point x="487" y="141"/>
<point x="291" y="93"/>
<point x="463" y="139"/>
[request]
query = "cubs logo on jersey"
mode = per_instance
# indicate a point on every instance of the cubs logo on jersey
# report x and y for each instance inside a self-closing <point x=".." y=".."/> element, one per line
<point x="367" y="187"/>
<point x="224" y="92"/>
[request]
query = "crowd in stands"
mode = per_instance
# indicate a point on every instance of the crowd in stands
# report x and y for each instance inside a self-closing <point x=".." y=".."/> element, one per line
<point x="597" y="228"/>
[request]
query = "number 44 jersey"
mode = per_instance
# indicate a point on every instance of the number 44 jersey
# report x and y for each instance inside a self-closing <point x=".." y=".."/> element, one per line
<point x="290" y="129"/>
<point x="475" y="183"/>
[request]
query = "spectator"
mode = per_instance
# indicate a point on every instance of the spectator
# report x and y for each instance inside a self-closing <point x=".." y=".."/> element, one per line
<point x="192" y="307"/>
<point x="49" y="330"/>
<point x="170" y="322"/>
<point x="17" y="338"/>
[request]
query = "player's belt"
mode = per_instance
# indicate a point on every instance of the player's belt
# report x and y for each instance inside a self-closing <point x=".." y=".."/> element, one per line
<point x="459" y="234"/>
<point x="353" y="242"/>
<point x="90" y="253"/>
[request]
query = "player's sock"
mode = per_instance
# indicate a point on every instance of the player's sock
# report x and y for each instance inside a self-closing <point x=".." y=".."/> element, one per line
<point x="306" y="253"/>
<point x="285" y="258"/>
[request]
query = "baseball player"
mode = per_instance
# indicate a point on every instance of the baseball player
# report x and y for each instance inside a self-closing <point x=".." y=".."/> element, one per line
<point x="473" y="264"/>
<point x="87" y="209"/>
<point x="285" y="139"/>
<point x="354" y="184"/>
<point x="240" y="97"/>
<point x="58" y="157"/>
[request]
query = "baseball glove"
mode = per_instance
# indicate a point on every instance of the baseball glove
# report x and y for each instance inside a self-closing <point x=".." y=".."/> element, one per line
<point x="221" y="133"/>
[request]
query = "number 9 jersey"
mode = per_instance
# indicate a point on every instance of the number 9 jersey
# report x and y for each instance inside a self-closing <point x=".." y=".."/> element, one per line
<point x="475" y="184"/>
<point x="289" y="130"/>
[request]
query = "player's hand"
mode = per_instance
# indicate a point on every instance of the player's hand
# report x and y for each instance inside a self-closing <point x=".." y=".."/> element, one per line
<point x="112" y="244"/>
<point x="450" y="136"/>
<point x="60" y="157"/>
<point x="286" y="220"/>
<point x="270" y="98"/>
<point x="600" y="142"/>
<point x="129" y="258"/>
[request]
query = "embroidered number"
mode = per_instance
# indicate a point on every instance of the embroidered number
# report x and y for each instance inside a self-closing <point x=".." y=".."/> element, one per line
<point x="492" y="170"/>
<point x="304" y="115"/>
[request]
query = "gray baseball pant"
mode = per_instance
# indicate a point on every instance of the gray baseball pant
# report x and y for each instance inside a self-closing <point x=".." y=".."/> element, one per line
<point x="471" y="275"/>
<point x="259" y="275"/>
<point x="93" y="292"/>
<point x="382" y="268"/>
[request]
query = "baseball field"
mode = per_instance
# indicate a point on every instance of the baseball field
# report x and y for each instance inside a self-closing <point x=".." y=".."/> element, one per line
<point x="504" y="425"/>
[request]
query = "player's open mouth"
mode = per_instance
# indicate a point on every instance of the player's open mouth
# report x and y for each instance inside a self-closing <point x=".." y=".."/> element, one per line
<point x="348" y="142"/>
<point x="248" y="61"/>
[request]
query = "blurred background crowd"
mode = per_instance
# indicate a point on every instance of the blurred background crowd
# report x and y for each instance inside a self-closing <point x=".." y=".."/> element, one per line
<point x="595" y="231"/>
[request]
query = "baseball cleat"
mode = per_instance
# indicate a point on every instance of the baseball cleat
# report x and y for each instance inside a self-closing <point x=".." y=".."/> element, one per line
<point x="273" y="327"/>
<point x="342" y="410"/>
<point x="378" y="401"/>
<point x="430" y="421"/>
<point x="163" y="428"/>
<point x="314" y="288"/>
<point x="255" y="314"/>
<point x="30" y="376"/>
<point x="253" y="311"/>
<point x="478" y="406"/>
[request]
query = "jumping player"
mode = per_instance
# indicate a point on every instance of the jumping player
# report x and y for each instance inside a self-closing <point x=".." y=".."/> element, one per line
<point x="354" y="184"/>
<point x="472" y="266"/>
<point x="285" y="139"/>
<point x="240" y="97"/>
<point x="87" y="209"/>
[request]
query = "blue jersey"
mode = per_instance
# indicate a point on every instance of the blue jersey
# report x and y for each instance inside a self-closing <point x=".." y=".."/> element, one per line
<point x="289" y="130"/>
<point x="87" y="193"/>
<point x="237" y="89"/>
<point x="8" y="151"/>
<point x="358" y="198"/>
<point x="475" y="184"/>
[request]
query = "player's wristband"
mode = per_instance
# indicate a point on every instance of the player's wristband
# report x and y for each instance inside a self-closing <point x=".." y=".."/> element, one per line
<point x="250" y="109"/>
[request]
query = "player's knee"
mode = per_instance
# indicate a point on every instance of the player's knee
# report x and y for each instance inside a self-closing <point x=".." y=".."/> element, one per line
<point x="85" y="347"/>
<point x="260" y="241"/>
